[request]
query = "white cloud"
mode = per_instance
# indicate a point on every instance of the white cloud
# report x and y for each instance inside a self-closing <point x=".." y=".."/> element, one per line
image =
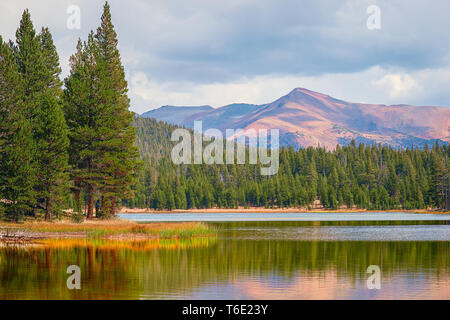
<point x="374" y="85"/>
<point x="398" y="85"/>
<point x="220" y="52"/>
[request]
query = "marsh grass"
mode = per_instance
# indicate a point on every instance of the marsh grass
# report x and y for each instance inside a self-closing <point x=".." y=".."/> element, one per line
<point x="117" y="228"/>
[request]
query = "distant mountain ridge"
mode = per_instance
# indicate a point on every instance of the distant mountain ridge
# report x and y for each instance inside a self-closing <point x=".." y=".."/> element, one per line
<point x="174" y="114"/>
<point x="307" y="118"/>
<point x="220" y="118"/>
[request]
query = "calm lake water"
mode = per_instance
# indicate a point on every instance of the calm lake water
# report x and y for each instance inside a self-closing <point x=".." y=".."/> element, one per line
<point x="300" y="216"/>
<point x="248" y="260"/>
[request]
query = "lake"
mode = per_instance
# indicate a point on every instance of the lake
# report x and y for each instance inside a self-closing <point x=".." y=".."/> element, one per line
<point x="249" y="259"/>
<point x="286" y="216"/>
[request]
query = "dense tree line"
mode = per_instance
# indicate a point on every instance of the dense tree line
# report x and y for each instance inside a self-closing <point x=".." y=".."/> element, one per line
<point x="362" y="176"/>
<point x="55" y="139"/>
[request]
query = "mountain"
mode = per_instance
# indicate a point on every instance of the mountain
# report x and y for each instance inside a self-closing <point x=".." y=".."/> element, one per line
<point x="220" y="118"/>
<point x="173" y="114"/>
<point x="306" y="118"/>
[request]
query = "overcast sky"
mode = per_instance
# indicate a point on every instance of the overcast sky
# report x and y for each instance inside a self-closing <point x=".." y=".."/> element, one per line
<point x="197" y="52"/>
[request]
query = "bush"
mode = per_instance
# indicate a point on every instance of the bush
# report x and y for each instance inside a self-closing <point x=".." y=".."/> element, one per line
<point x="77" y="217"/>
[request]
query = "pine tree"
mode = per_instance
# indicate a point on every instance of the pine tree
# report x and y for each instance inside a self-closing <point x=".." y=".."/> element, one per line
<point x="10" y="93"/>
<point x="17" y="170"/>
<point x="31" y="65"/>
<point x="82" y="108"/>
<point x="52" y="144"/>
<point x="120" y="155"/>
<point x="102" y="151"/>
<point x="51" y="135"/>
<point x="439" y="175"/>
<point x="38" y="64"/>
<point x="51" y="61"/>
<point x="17" y="162"/>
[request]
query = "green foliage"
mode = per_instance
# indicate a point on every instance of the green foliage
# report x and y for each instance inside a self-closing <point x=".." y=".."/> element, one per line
<point x="43" y="131"/>
<point x="17" y="148"/>
<point x="18" y="172"/>
<point x="103" y="156"/>
<point x="77" y="217"/>
<point x="367" y="177"/>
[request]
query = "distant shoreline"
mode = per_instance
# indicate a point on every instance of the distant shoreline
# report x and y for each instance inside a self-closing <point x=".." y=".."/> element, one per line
<point x="267" y="210"/>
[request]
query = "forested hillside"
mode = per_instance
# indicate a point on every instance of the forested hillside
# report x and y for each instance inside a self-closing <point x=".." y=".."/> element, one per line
<point x="371" y="177"/>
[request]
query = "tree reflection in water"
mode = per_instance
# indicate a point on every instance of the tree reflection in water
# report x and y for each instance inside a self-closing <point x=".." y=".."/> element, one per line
<point x="225" y="267"/>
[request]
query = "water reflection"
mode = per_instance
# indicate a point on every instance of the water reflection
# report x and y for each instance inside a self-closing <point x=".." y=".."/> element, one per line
<point x="286" y="216"/>
<point x="339" y="231"/>
<point x="234" y="266"/>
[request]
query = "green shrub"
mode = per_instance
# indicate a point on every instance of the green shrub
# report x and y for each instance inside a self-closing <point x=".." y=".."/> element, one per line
<point x="77" y="217"/>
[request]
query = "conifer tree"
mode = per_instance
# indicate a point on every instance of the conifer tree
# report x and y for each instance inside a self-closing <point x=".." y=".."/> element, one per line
<point x="17" y="171"/>
<point x="31" y="65"/>
<point x="103" y="154"/>
<point x="38" y="64"/>
<point x="51" y="135"/>
<point x="52" y="143"/>
<point x="51" y="61"/>
<point x="120" y="154"/>
<point x="439" y="174"/>
<point x="82" y="111"/>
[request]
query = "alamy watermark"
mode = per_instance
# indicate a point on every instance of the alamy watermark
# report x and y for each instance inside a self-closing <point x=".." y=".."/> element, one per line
<point x="74" y="280"/>
<point x="74" y="19"/>
<point x="374" y="280"/>
<point x="235" y="139"/>
<point x="374" y="19"/>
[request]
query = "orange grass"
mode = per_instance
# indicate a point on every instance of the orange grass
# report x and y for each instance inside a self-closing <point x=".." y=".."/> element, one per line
<point x="116" y="227"/>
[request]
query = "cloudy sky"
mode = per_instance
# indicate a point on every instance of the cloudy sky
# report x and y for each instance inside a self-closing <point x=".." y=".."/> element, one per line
<point x="197" y="52"/>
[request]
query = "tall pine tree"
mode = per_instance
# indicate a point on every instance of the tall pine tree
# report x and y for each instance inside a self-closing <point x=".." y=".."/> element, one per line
<point x="83" y="113"/>
<point x="120" y="160"/>
<point x="17" y="170"/>
<point x="102" y="138"/>
<point x="38" y="64"/>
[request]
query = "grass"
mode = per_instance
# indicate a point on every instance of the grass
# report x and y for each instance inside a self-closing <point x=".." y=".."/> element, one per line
<point x="116" y="228"/>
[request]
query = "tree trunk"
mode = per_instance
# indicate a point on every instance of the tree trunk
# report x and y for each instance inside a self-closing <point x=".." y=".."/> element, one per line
<point x="90" y="211"/>
<point x="77" y="196"/>
<point x="48" y="214"/>
<point x="96" y="209"/>
<point x="113" y="206"/>
<point x="77" y="202"/>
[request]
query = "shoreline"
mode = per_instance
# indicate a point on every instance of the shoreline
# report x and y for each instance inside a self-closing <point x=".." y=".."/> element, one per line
<point x="116" y="229"/>
<point x="268" y="210"/>
<point x="119" y="229"/>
